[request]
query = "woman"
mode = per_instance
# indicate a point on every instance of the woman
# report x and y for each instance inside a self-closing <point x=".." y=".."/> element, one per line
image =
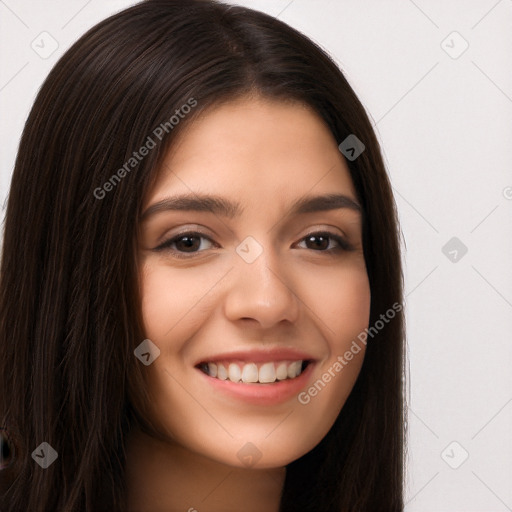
<point x="258" y="365"/>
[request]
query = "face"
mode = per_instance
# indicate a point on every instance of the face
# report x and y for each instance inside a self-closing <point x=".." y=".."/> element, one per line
<point x="253" y="284"/>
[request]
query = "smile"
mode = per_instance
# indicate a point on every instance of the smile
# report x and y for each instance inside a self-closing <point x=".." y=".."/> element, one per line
<point x="251" y="372"/>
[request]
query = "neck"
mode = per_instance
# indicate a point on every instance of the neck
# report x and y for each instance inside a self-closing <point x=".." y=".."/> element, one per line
<point x="164" y="476"/>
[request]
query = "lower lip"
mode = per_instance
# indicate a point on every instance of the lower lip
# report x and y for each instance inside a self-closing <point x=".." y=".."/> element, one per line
<point x="262" y="394"/>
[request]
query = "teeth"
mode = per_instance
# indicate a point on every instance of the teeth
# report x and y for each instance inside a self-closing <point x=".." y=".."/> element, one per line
<point x="212" y="369"/>
<point x="267" y="373"/>
<point x="222" y="374"/>
<point x="250" y="373"/>
<point x="294" y="369"/>
<point x="234" y="373"/>
<point x="282" y="371"/>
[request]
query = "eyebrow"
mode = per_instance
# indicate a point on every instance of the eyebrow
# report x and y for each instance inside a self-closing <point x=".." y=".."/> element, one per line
<point x="221" y="206"/>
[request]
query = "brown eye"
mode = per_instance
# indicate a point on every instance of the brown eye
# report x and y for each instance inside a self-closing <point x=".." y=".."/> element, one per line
<point x="320" y="242"/>
<point x="185" y="243"/>
<point x="188" y="243"/>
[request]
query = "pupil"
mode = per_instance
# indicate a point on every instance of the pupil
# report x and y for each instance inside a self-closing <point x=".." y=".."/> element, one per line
<point x="322" y="238"/>
<point x="189" y="241"/>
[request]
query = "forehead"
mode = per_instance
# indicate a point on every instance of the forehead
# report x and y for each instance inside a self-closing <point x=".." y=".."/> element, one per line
<point x="255" y="149"/>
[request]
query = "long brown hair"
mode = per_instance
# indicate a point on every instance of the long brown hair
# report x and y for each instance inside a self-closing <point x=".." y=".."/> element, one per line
<point x="70" y="305"/>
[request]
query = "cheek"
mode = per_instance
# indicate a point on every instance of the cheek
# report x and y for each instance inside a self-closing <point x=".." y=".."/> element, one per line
<point x="172" y="301"/>
<point x="342" y="301"/>
<point x="350" y="312"/>
<point x="345" y="311"/>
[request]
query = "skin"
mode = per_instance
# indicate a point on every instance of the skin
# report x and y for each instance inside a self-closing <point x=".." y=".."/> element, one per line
<point x="264" y="154"/>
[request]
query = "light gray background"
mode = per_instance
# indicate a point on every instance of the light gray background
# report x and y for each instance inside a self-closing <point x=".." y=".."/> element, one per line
<point x="445" y="127"/>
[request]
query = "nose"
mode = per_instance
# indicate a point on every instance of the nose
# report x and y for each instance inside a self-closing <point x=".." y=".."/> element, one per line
<point x="262" y="291"/>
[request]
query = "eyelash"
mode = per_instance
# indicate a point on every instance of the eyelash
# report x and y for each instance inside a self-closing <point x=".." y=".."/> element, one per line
<point x="165" y="246"/>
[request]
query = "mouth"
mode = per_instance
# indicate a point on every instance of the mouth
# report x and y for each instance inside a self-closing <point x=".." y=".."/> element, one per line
<point x="250" y="372"/>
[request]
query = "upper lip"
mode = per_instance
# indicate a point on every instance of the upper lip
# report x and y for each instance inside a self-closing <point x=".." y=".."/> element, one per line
<point x="259" y="356"/>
